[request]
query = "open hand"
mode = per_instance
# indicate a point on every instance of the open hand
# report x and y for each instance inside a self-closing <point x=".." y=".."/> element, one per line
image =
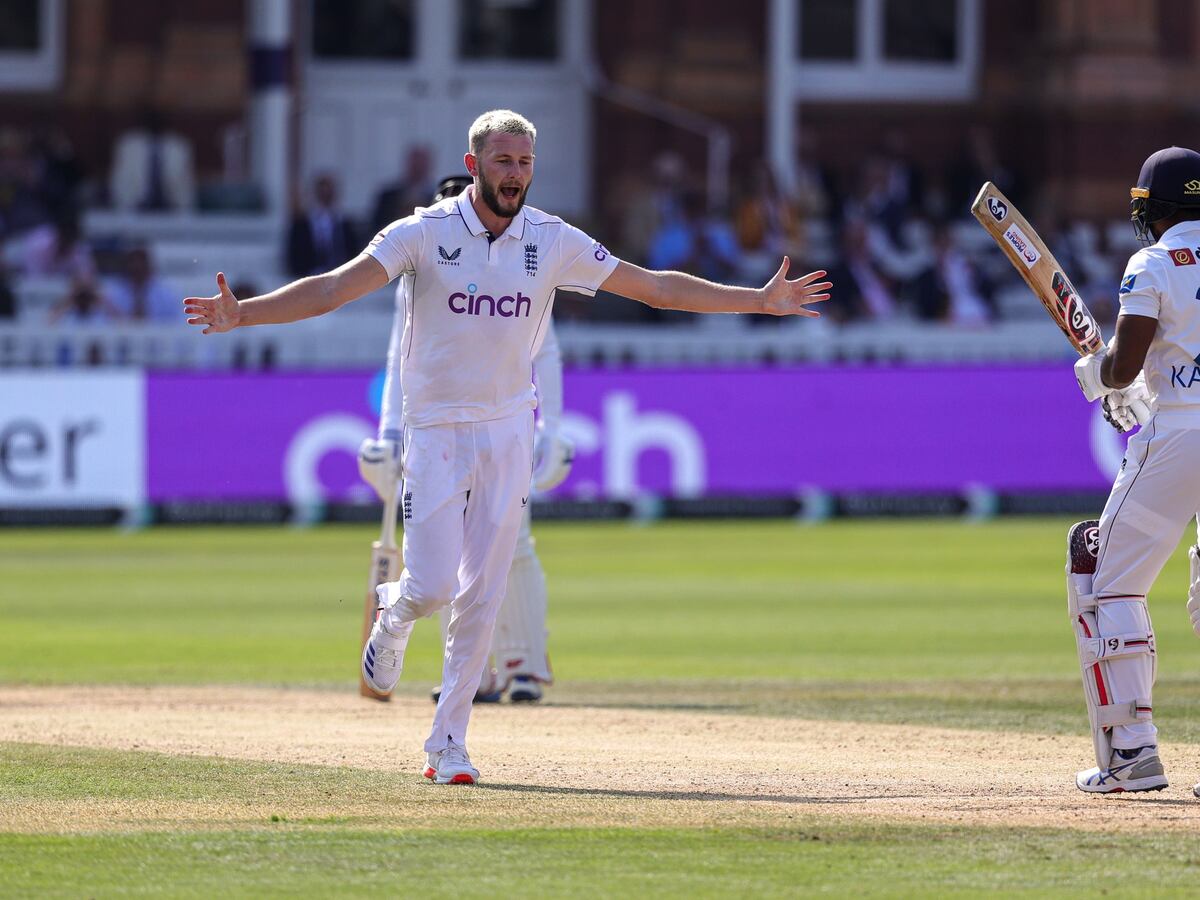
<point x="219" y="313"/>
<point x="789" y="298"/>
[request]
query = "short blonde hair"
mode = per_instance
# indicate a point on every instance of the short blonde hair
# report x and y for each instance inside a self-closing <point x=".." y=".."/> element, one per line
<point x="498" y="120"/>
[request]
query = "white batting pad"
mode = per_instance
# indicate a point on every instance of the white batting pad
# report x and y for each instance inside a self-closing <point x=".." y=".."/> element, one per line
<point x="519" y="641"/>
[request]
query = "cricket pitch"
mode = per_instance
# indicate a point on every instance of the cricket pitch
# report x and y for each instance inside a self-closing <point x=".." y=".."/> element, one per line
<point x="577" y="765"/>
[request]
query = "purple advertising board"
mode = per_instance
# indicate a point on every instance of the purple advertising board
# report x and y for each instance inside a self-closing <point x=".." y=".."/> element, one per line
<point x="674" y="432"/>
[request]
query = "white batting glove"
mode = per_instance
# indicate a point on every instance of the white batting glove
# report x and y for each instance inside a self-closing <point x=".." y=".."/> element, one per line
<point x="1130" y="406"/>
<point x="1193" y="604"/>
<point x="552" y="458"/>
<point x="380" y="466"/>
<point x="1087" y="373"/>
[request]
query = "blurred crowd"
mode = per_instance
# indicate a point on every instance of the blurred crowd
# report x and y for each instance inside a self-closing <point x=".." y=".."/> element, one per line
<point x="889" y="231"/>
<point x="43" y="193"/>
<point x="897" y="238"/>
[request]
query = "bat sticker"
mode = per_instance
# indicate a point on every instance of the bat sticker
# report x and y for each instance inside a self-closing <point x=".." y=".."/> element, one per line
<point x="998" y="208"/>
<point x="1025" y="250"/>
<point x="1076" y="316"/>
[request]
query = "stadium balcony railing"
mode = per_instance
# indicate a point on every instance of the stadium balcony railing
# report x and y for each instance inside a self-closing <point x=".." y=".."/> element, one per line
<point x="361" y="341"/>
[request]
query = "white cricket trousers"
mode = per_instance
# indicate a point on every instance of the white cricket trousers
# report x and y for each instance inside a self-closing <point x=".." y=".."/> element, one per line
<point x="1155" y="494"/>
<point x="519" y="638"/>
<point x="465" y="487"/>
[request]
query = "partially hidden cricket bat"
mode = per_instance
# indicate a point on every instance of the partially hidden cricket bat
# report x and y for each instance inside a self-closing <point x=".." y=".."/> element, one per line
<point x="1036" y="264"/>
<point x="385" y="566"/>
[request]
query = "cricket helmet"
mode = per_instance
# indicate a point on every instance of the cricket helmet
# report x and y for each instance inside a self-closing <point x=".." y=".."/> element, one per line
<point x="452" y="187"/>
<point x="1169" y="181"/>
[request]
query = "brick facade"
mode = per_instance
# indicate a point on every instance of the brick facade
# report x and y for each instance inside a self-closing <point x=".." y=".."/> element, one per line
<point x="186" y="59"/>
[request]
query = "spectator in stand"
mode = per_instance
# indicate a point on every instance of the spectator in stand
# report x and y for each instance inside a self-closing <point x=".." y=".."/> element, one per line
<point x="652" y="208"/>
<point x="413" y="189"/>
<point x="906" y="254"/>
<point x="20" y="206"/>
<point x="874" y="201"/>
<point x="84" y="304"/>
<point x="905" y="183"/>
<point x="815" y="195"/>
<point x="59" y="249"/>
<point x="960" y="298"/>
<point x="766" y="226"/>
<point x="696" y="243"/>
<point x="979" y="162"/>
<point x="139" y="293"/>
<point x="863" y="291"/>
<point x="57" y="172"/>
<point x="320" y="238"/>
<point x="8" y="300"/>
<point x="152" y="168"/>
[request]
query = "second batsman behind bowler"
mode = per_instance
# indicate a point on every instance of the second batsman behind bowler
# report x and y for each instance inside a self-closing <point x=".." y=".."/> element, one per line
<point x="518" y="663"/>
<point x="482" y="269"/>
<point x="1147" y="372"/>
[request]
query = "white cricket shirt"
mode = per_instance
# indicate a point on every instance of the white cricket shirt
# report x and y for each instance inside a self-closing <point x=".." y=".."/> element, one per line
<point x="477" y="310"/>
<point x="1162" y="282"/>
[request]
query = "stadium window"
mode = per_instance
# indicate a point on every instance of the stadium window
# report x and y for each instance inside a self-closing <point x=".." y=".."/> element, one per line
<point x="508" y="29"/>
<point x="829" y="29"/>
<point x="20" y="30"/>
<point x="30" y="44"/>
<point x="882" y="49"/>
<point x="364" y="29"/>
<point x="924" y="30"/>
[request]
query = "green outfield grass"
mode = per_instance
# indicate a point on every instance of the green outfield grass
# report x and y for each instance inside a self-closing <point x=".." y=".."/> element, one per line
<point x="948" y="622"/>
<point x="937" y="622"/>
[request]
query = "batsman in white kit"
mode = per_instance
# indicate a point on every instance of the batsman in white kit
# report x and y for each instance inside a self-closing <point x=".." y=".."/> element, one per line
<point x="518" y="665"/>
<point x="482" y="269"/>
<point x="1149" y="375"/>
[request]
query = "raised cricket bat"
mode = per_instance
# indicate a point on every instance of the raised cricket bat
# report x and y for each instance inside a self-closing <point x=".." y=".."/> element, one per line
<point x="1036" y="264"/>
<point x="385" y="566"/>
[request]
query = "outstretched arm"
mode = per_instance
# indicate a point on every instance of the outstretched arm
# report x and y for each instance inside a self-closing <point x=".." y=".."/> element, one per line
<point x="675" y="290"/>
<point x="302" y="299"/>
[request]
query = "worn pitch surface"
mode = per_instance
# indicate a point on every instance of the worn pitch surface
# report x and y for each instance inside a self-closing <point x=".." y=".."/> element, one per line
<point x="575" y="765"/>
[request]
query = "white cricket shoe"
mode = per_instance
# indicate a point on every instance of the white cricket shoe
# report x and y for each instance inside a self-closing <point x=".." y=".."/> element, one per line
<point x="525" y="690"/>
<point x="383" y="655"/>
<point x="1139" y="769"/>
<point x="451" y="766"/>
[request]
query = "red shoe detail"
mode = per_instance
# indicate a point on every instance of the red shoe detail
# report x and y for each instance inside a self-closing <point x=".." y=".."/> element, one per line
<point x="462" y="778"/>
<point x="430" y="772"/>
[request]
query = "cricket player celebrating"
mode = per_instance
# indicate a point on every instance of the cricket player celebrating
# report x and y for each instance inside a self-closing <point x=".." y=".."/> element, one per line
<point x="482" y="269"/>
<point x="1147" y="376"/>
<point x="518" y="663"/>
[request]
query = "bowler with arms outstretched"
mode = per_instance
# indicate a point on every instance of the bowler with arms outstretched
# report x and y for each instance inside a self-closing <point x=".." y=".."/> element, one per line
<point x="482" y="268"/>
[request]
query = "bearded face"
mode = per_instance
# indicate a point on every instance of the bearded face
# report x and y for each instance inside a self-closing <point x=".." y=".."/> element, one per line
<point x="504" y="171"/>
<point x="504" y="198"/>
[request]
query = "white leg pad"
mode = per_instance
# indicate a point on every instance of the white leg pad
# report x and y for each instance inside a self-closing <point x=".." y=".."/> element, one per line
<point x="1101" y="647"/>
<point x="519" y="641"/>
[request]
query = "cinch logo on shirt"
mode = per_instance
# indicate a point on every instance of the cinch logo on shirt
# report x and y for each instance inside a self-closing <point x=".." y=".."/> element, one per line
<point x="469" y="304"/>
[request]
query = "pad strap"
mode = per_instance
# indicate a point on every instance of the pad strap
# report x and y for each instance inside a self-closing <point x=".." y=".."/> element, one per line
<point x="1092" y="650"/>
<point x="1123" y="713"/>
